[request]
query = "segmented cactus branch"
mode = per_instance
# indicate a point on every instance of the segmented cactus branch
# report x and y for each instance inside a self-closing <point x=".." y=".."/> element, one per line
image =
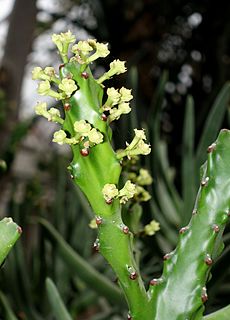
<point x="181" y="291"/>
<point x="96" y="168"/>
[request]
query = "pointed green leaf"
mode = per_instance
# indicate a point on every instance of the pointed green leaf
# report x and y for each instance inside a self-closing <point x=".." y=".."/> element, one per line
<point x="59" y="310"/>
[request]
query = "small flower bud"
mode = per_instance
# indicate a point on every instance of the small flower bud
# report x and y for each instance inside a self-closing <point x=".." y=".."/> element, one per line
<point x="44" y="88"/>
<point x="41" y="109"/>
<point x="125" y="95"/>
<point x="151" y="228"/>
<point x="142" y="194"/>
<point x="82" y="127"/>
<point x="68" y="86"/>
<point x="117" y="67"/>
<point x="62" y="42"/>
<point x="127" y="192"/>
<point x="113" y="97"/>
<point x="109" y="191"/>
<point x="59" y="137"/>
<point x="95" y="136"/>
<point x="49" y="71"/>
<point x="101" y="50"/>
<point x="82" y="47"/>
<point x="37" y="73"/>
<point x="144" y="178"/>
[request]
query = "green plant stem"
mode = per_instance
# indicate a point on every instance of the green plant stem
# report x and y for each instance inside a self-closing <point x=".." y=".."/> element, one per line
<point x="116" y="247"/>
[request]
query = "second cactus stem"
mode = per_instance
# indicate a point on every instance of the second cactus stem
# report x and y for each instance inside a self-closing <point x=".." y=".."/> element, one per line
<point x="96" y="168"/>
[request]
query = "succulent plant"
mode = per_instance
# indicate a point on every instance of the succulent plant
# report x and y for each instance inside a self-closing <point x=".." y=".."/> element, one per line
<point x="88" y="109"/>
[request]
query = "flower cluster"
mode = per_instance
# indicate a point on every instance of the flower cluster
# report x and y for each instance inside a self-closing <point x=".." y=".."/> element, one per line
<point x="151" y="228"/>
<point x="116" y="67"/>
<point x="52" y="114"/>
<point x="120" y="98"/>
<point x="111" y="192"/>
<point x="143" y="179"/>
<point x="84" y="134"/>
<point x="62" y="41"/>
<point x="89" y="50"/>
<point x="66" y="86"/>
<point x="136" y="147"/>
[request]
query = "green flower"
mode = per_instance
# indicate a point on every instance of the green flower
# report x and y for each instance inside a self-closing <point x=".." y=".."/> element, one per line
<point x="62" y="42"/>
<point x="55" y="116"/>
<point x="60" y="137"/>
<point x="49" y="71"/>
<point x="68" y="86"/>
<point x="47" y="74"/>
<point x="44" y="88"/>
<point x="125" y="94"/>
<point x="151" y="228"/>
<point x="142" y="148"/>
<point x="127" y="192"/>
<point x="115" y="113"/>
<point x="82" y="47"/>
<point x="95" y="136"/>
<point x="116" y="67"/>
<point x="41" y="109"/>
<point x="82" y="127"/>
<point x="142" y="194"/>
<point x="37" y="73"/>
<point x="109" y="192"/>
<point x="144" y="178"/>
<point x="136" y="147"/>
<point x="101" y="51"/>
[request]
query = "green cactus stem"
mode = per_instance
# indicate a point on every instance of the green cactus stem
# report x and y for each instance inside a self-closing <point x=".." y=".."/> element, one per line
<point x="9" y="234"/>
<point x="181" y="292"/>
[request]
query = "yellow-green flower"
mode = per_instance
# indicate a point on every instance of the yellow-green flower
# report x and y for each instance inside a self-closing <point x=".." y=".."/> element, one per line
<point x="113" y="96"/>
<point x="144" y="177"/>
<point x="60" y="137"/>
<point x="44" y="88"/>
<point x="82" y="127"/>
<point x="143" y="148"/>
<point x="136" y="147"/>
<point x="127" y="192"/>
<point x="62" y="42"/>
<point x="125" y="95"/>
<point x="49" y="71"/>
<point x="101" y="51"/>
<point x="142" y="194"/>
<point x="95" y="136"/>
<point x="37" y="73"/>
<point x="82" y="47"/>
<point x="116" y="67"/>
<point x="115" y="113"/>
<point x="41" y="109"/>
<point x="109" y="191"/>
<point x="68" y="86"/>
<point x="151" y="228"/>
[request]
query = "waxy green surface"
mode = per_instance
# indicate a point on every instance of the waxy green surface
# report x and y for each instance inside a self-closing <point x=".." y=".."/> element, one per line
<point x="186" y="271"/>
<point x="101" y="166"/>
<point x="9" y="234"/>
<point x="91" y="173"/>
